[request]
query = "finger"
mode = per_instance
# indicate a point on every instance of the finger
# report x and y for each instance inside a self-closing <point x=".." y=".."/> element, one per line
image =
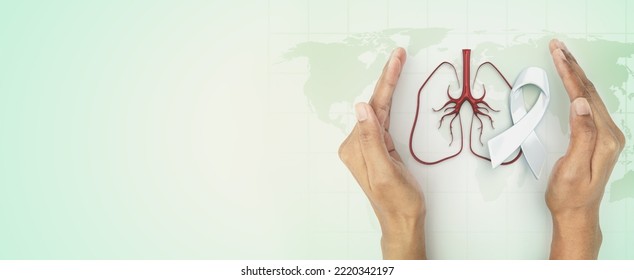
<point x="589" y="86"/>
<point x="349" y="153"/>
<point x="389" y="143"/>
<point x="603" y="118"/>
<point x="583" y="136"/>
<point x="609" y="138"/>
<point x="553" y="45"/>
<point x="386" y="123"/>
<point x="576" y="88"/>
<point x="573" y="62"/>
<point x="370" y="135"/>
<point x="568" y="65"/>
<point x="391" y="149"/>
<point x="381" y="100"/>
<point x="595" y="100"/>
<point x="573" y="84"/>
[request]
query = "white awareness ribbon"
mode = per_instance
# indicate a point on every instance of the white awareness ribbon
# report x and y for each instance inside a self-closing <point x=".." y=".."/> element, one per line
<point x="522" y="133"/>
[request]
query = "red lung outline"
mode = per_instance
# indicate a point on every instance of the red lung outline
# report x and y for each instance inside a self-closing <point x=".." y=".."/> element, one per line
<point x="478" y="105"/>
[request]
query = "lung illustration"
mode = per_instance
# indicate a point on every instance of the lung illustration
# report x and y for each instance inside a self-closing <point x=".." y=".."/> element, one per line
<point x="446" y="115"/>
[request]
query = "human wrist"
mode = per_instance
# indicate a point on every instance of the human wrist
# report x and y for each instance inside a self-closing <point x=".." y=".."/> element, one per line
<point x="576" y="235"/>
<point x="576" y="218"/>
<point x="403" y="238"/>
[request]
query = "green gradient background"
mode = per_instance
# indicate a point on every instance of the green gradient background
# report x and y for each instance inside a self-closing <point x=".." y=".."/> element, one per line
<point x="155" y="129"/>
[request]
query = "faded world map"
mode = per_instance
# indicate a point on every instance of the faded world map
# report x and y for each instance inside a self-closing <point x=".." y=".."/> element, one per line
<point x="340" y="72"/>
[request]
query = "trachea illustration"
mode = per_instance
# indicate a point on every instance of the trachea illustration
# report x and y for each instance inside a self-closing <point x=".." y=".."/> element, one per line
<point x="451" y="109"/>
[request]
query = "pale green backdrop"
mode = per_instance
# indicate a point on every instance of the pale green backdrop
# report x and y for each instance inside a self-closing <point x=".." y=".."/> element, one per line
<point x="209" y="129"/>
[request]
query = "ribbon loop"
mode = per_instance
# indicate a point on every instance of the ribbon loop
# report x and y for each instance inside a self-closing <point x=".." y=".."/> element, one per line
<point x="522" y="133"/>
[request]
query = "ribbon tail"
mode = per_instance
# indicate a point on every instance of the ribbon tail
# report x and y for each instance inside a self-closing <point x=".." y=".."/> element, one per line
<point x="503" y="145"/>
<point x="522" y="134"/>
<point x="536" y="157"/>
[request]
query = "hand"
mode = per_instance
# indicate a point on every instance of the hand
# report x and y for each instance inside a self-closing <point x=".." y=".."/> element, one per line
<point x="368" y="152"/>
<point x="578" y="179"/>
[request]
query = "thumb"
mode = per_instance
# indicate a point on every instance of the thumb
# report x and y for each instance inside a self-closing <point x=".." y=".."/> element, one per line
<point x="371" y="138"/>
<point x="583" y="134"/>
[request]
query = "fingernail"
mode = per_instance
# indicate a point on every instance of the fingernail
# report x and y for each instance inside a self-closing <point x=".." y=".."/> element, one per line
<point x="563" y="45"/>
<point x="582" y="107"/>
<point x="394" y="51"/>
<point x="360" y="112"/>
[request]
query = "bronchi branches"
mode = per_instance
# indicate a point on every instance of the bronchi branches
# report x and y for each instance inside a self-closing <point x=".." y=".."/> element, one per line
<point x="451" y="109"/>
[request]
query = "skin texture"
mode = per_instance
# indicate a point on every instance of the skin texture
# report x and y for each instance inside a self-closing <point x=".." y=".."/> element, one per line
<point x="578" y="179"/>
<point x="575" y="187"/>
<point x="368" y="152"/>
